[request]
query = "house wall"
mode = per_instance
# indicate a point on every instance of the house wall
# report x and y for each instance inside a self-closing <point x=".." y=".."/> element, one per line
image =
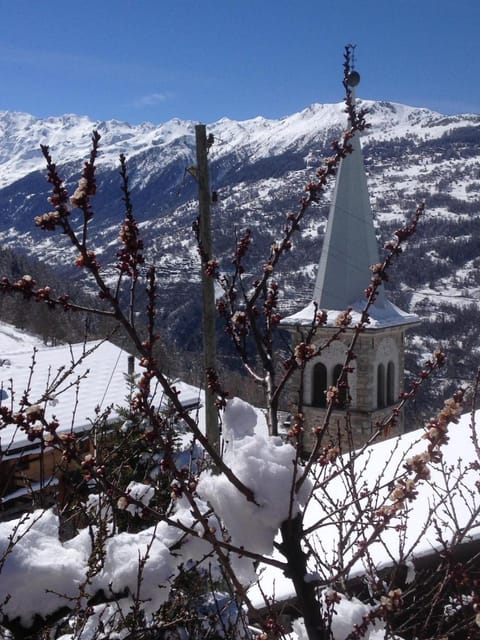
<point x="33" y="473"/>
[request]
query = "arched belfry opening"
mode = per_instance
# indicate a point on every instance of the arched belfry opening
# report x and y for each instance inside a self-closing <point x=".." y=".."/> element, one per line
<point x="319" y="385"/>
<point x="391" y="387"/>
<point x="381" y="389"/>
<point x="349" y="249"/>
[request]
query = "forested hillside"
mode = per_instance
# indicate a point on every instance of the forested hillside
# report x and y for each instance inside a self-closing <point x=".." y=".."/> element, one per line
<point x="38" y="318"/>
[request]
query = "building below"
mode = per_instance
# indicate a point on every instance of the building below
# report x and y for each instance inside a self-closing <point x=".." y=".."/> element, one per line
<point x="75" y="384"/>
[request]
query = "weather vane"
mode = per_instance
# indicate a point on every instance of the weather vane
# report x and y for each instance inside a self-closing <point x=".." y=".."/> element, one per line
<point x="351" y="49"/>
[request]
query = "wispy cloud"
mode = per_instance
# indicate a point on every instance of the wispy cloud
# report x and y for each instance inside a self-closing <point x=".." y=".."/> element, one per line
<point x="80" y="64"/>
<point x="153" y="99"/>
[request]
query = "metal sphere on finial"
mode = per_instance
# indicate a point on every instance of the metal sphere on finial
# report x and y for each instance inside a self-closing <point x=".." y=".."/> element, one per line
<point x="353" y="79"/>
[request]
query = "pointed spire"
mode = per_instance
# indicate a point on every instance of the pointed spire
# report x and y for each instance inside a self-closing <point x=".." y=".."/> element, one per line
<point x="350" y="249"/>
<point x="350" y="244"/>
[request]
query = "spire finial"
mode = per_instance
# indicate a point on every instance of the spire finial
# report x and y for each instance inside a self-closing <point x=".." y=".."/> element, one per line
<point x="352" y="78"/>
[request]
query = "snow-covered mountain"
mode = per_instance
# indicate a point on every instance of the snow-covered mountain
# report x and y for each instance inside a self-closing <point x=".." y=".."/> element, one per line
<point x="251" y="140"/>
<point x="69" y="135"/>
<point x="259" y="168"/>
<point x="256" y="161"/>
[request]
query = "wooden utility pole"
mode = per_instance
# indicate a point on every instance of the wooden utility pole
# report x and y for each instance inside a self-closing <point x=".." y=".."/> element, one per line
<point x="208" y="284"/>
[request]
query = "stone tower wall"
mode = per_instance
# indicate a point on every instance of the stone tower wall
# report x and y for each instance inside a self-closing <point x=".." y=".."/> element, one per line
<point x="374" y="347"/>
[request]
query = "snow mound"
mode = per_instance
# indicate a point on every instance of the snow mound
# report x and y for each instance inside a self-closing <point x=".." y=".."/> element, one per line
<point x="267" y="466"/>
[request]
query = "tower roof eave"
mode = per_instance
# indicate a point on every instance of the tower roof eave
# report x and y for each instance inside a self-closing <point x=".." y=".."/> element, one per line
<point x="388" y="315"/>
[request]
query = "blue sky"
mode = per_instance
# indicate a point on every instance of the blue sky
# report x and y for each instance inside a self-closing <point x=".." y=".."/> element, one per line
<point x="152" y="60"/>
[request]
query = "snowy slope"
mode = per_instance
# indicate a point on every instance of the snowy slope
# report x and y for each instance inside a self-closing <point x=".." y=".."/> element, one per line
<point x="13" y="340"/>
<point x="69" y="137"/>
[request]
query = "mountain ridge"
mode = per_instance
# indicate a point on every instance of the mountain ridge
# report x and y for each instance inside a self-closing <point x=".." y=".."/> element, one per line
<point x="69" y="135"/>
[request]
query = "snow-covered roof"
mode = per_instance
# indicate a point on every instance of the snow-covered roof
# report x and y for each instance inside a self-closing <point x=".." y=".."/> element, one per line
<point x="100" y="371"/>
<point x="449" y="497"/>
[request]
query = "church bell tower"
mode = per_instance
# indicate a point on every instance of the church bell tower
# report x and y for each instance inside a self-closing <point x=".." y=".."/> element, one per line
<point x="349" y="249"/>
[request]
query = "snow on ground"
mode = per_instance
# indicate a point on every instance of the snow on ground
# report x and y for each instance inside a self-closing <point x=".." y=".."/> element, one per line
<point x="450" y="295"/>
<point x="54" y="567"/>
<point x="348" y="612"/>
<point x="264" y="464"/>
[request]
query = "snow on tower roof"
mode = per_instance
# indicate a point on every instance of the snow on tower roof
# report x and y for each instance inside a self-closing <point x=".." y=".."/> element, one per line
<point x="380" y="317"/>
